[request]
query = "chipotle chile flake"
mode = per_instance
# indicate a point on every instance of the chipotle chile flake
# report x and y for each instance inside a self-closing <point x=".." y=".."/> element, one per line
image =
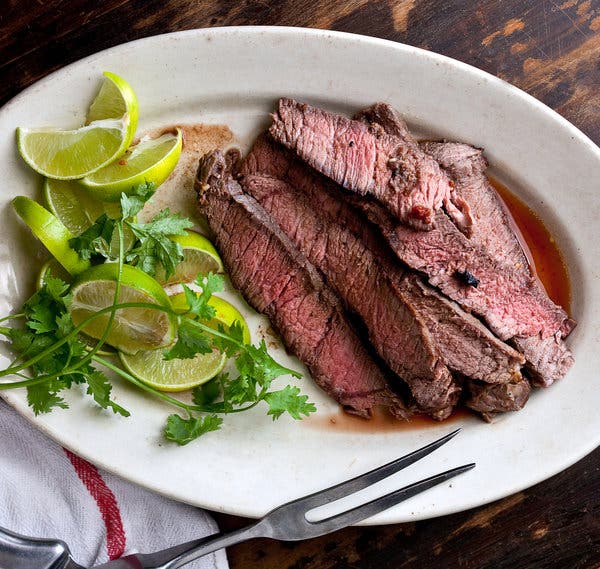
<point x="467" y="278"/>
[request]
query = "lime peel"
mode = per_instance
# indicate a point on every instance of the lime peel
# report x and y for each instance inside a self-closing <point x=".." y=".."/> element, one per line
<point x="149" y="161"/>
<point x="72" y="154"/>
<point x="51" y="232"/>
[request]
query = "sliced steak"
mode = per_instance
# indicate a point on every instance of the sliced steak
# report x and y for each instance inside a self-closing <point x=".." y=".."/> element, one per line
<point x="492" y="223"/>
<point x="491" y="399"/>
<point x="366" y="160"/>
<point x="277" y="280"/>
<point x="466" y="345"/>
<point x="511" y="303"/>
<point x="548" y="357"/>
<point x="352" y="270"/>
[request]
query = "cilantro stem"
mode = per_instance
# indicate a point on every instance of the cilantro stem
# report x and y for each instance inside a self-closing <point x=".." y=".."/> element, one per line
<point x="142" y="385"/>
<point x="12" y="316"/>
<point x="216" y="333"/>
<point x="113" y="313"/>
<point x="161" y="395"/>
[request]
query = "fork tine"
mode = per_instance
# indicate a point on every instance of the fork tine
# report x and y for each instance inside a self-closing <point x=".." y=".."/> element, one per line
<point x="359" y="482"/>
<point x="378" y="505"/>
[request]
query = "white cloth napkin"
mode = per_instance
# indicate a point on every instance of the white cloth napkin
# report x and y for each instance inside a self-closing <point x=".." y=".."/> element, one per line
<point x="46" y="491"/>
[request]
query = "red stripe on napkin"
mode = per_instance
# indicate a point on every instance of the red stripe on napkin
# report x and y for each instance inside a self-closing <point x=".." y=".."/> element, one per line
<point x="107" y="504"/>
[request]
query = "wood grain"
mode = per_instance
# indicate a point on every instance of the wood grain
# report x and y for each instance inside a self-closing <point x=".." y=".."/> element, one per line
<point x="549" y="48"/>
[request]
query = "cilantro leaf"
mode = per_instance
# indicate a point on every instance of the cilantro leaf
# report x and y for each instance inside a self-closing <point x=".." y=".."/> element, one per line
<point x="198" y="302"/>
<point x="64" y="324"/>
<point x="154" y="246"/>
<point x="256" y="362"/>
<point x="210" y="283"/>
<point x="95" y="239"/>
<point x="99" y="388"/>
<point x="42" y="398"/>
<point x="190" y="342"/>
<point x="56" y="289"/>
<point x="133" y="202"/>
<point x="197" y="305"/>
<point x="208" y="393"/>
<point x="27" y="343"/>
<point x="42" y="318"/>
<point x="288" y="400"/>
<point x="182" y="431"/>
<point x="240" y="390"/>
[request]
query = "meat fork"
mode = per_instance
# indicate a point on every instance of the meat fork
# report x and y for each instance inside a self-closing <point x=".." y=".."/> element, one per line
<point x="287" y="523"/>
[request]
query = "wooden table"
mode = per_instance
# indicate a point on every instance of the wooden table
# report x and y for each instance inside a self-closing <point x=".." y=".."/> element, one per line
<point x="549" y="48"/>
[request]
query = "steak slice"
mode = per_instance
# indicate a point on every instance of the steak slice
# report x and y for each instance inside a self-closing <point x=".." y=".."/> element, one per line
<point x="353" y="272"/>
<point x="466" y="345"/>
<point x="369" y="161"/>
<point x="548" y="358"/>
<point x="511" y="303"/>
<point x="491" y="399"/>
<point x="277" y="280"/>
<point x="492" y="223"/>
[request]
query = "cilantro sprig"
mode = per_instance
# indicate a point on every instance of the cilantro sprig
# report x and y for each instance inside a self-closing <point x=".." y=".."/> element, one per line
<point x="53" y="357"/>
<point x="153" y="246"/>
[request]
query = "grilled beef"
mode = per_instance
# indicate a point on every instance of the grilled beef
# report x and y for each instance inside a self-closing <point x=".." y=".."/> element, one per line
<point x="368" y="160"/>
<point x="277" y="280"/>
<point x="548" y="357"/>
<point x="311" y="210"/>
<point x="511" y="301"/>
<point x="352" y="270"/>
<point x="491" y="399"/>
<point x="492" y="224"/>
<point x="466" y="345"/>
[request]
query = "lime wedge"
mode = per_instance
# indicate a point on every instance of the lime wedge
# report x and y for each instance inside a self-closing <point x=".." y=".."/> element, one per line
<point x="115" y="99"/>
<point x="182" y="374"/>
<point x="51" y="232"/>
<point x="77" y="210"/>
<point x="199" y="256"/>
<point x="74" y="206"/>
<point x="150" y="160"/>
<point x="133" y="329"/>
<point x="70" y="154"/>
<point x="173" y="375"/>
<point x="226" y="313"/>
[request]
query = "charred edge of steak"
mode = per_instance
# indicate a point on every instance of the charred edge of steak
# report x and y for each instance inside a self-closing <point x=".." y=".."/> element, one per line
<point x="467" y="278"/>
<point x="548" y="359"/>
<point x="465" y="344"/>
<point x="277" y="280"/>
<point x="387" y="117"/>
<point x="382" y="117"/>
